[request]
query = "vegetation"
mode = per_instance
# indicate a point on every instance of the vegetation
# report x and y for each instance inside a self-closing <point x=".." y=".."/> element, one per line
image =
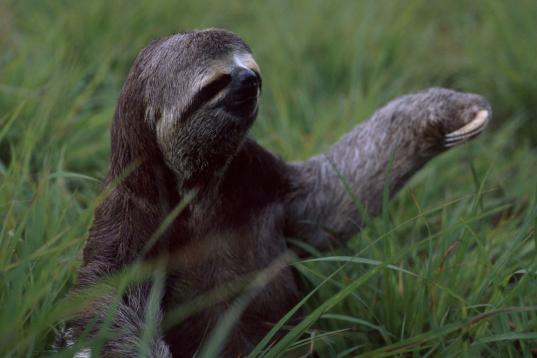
<point x="448" y="269"/>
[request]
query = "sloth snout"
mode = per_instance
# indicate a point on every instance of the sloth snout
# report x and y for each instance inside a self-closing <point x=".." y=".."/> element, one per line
<point x="242" y="97"/>
<point x="246" y="77"/>
<point x="245" y="82"/>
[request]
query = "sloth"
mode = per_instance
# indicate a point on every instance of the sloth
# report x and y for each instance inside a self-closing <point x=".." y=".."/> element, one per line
<point x="180" y="155"/>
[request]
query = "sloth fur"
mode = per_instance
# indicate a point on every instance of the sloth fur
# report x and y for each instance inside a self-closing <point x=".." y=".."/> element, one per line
<point x="180" y="151"/>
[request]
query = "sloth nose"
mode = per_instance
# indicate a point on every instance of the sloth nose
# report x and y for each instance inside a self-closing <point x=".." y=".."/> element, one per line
<point x="243" y="93"/>
<point x="246" y="80"/>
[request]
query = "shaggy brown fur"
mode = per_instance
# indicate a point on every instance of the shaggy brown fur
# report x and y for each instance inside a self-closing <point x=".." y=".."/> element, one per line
<point x="179" y="132"/>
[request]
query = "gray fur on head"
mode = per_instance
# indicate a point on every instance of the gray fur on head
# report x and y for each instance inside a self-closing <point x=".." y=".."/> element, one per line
<point x="195" y="138"/>
<point x="181" y="124"/>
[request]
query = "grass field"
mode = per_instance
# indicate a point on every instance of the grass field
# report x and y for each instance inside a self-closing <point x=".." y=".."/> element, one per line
<point x="449" y="269"/>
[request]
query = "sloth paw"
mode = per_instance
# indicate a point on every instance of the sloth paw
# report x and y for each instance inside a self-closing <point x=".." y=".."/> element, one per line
<point x="468" y="131"/>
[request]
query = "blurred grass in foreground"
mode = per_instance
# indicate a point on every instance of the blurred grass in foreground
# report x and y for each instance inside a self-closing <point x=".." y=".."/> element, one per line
<point x="449" y="269"/>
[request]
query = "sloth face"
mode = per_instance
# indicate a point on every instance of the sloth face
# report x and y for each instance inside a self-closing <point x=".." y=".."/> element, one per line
<point x="201" y="92"/>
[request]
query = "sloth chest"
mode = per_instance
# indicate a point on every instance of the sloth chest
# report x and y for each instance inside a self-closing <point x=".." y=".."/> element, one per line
<point x="237" y="242"/>
<point x="226" y="264"/>
<point x="224" y="258"/>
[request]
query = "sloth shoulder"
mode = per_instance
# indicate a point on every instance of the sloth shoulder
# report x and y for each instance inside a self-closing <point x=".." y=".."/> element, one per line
<point x="255" y="178"/>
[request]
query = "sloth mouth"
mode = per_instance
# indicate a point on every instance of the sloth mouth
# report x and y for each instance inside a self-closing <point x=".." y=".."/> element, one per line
<point x="244" y="100"/>
<point x="242" y="107"/>
<point x="242" y="103"/>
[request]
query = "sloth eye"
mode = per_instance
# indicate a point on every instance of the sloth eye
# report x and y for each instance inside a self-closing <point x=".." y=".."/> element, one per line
<point x="205" y="94"/>
<point x="212" y="89"/>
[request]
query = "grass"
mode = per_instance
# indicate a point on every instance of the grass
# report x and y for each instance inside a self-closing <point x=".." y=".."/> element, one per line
<point x="449" y="269"/>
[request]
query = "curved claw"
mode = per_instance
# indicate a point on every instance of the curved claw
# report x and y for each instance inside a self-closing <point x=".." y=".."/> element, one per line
<point x="470" y="130"/>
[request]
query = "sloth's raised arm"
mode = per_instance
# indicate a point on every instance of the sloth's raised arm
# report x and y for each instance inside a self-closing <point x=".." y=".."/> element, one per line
<point x="396" y="141"/>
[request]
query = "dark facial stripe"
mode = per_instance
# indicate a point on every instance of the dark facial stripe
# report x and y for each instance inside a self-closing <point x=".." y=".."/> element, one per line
<point x="206" y="94"/>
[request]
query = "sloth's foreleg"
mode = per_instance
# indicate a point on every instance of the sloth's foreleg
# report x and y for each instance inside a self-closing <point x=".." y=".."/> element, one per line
<point x="384" y="151"/>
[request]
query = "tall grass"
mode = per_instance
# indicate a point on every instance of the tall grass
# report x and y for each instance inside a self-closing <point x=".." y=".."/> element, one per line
<point x="449" y="268"/>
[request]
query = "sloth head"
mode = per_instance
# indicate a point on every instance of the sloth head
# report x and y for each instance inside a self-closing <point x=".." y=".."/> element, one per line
<point x="189" y="99"/>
